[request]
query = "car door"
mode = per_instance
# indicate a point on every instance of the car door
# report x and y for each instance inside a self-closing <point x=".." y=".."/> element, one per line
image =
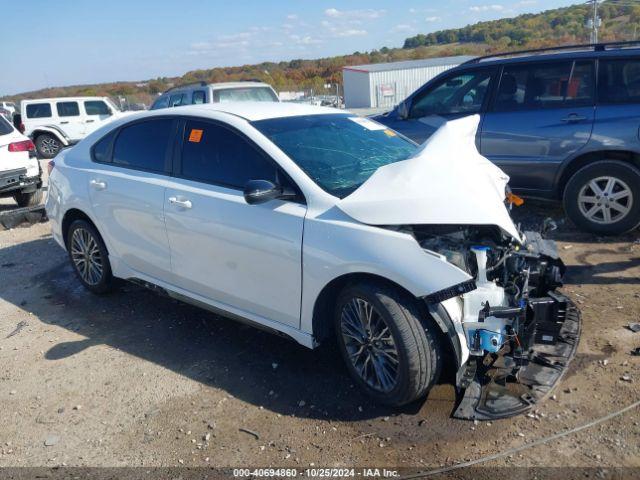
<point x="542" y="114"/>
<point x="240" y="256"/>
<point x="71" y="122"/>
<point x="126" y="188"/>
<point x="455" y="95"/>
<point x="97" y="113"/>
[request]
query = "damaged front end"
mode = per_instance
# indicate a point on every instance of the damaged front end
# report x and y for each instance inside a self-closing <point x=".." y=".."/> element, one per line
<point x="520" y="333"/>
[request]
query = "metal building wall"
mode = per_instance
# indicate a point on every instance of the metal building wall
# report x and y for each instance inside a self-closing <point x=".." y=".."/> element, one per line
<point x="356" y="89"/>
<point x="403" y="83"/>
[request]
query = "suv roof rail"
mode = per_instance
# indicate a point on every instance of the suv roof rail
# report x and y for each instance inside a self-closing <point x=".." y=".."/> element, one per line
<point x="201" y="83"/>
<point x="596" y="47"/>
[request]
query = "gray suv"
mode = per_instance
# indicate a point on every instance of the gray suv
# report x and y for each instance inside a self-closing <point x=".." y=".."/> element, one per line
<point x="562" y="123"/>
<point x="197" y="93"/>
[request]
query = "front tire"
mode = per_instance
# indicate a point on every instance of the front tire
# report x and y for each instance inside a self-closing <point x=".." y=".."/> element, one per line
<point x="387" y="342"/>
<point x="47" y="146"/>
<point x="89" y="257"/>
<point x="30" y="199"/>
<point x="604" y="197"/>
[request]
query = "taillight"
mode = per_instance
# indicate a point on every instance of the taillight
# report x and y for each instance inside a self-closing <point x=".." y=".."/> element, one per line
<point x="50" y="166"/>
<point x="23" y="146"/>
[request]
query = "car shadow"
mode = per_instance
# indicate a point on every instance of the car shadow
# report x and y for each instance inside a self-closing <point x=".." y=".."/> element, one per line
<point x="252" y="365"/>
<point x="600" y="273"/>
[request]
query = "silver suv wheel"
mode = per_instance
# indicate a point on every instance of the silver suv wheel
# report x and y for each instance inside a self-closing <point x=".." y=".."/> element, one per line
<point x="605" y="200"/>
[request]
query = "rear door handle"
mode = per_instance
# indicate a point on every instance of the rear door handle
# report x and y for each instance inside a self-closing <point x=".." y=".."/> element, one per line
<point x="90" y="121"/>
<point x="98" y="184"/>
<point x="573" y="117"/>
<point x="63" y="123"/>
<point x="180" y="203"/>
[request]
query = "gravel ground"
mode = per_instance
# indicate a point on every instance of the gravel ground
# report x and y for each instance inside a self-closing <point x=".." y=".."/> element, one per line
<point x="135" y="379"/>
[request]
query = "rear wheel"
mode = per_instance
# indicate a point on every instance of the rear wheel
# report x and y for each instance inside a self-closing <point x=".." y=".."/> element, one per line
<point x="30" y="199"/>
<point x="604" y="197"/>
<point x="386" y="342"/>
<point x="47" y="145"/>
<point x="89" y="257"/>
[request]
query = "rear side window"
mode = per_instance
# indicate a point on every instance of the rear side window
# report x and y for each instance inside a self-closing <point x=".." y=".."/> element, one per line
<point x="619" y="81"/>
<point x="144" y="145"/>
<point x="198" y="97"/>
<point x="5" y="127"/>
<point x="96" y="107"/>
<point x="214" y="154"/>
<point x="178" y="100"/>
<point x="246" y="94"/>
<point x="549" y="85"/>
<point x="101" y="151"/>
<point x="38" y="110"/>
<point x="68" y="109"/>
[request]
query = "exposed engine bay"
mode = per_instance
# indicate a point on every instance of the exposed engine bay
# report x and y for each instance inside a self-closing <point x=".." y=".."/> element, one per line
<point x="519" y="331"/>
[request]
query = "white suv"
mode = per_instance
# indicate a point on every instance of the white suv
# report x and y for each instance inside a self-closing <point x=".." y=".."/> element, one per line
<point x="318" y="224"/>
<point x="20" y="175"/>
<point x="198" y="93"/>
<point x="54" y="123"/>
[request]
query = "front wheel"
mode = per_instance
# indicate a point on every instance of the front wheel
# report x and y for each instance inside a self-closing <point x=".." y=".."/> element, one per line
<point x="47" y="145"/>
<point x="386" y="342"/>
<point x="604" y="197"/>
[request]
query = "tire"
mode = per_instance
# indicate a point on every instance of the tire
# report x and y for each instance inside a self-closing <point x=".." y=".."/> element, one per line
<point x="30" y="199"/>
<point x="417" y="348"/>
<point x="96" y="280"/>
<point x="593" y="208"/>
<point x="47" y="145"/>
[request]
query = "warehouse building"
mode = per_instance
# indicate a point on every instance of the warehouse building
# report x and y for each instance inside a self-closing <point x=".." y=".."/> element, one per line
<point x="383" y="85"/>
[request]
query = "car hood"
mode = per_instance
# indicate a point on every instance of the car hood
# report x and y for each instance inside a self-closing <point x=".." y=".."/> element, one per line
<point x="446" y="182"/>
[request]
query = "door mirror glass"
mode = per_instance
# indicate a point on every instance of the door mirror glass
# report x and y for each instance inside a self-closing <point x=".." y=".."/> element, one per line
<point x="261" y="191"/>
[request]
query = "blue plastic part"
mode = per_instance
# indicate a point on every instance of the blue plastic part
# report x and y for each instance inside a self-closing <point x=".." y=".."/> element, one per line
<point x="490" y="341"/>
<point x="480" y="248"/>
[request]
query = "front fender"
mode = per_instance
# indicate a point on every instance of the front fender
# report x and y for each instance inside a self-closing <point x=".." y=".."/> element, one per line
<point x="59" y="134"/>
<point x="334" y="245"/>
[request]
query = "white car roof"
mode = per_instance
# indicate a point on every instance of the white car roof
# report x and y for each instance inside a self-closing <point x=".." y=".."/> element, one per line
<point x="251" y="111"/>
<point x="61" y="99"/>
<point x="220" y="85"/>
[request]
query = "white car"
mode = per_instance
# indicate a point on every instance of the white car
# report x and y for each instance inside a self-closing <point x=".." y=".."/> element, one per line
<point x="20" y="176"/>
<point x="54" y="123"/>
<point x="318" y="224"/>
<point x="9" y="107"/>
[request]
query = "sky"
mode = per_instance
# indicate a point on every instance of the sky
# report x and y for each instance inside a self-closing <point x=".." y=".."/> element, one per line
<point x="75" y="42"/>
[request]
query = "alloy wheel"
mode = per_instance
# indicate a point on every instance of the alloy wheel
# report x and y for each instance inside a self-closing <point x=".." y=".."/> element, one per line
<point x="605" y="200"/>
<point x="86" y="256"/>
<point x="369" y="344"/>
<point x="49" y="145"/>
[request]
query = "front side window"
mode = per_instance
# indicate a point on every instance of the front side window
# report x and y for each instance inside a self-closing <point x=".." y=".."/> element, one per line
<point x="247" y="94"/>
<point x="68" y="109"/>
<point x="619" y="81"/>
<point x="463" y="93"/>
<point x="198" y="97"/>
<point x="38" y="110"/>
<point x="96" y="107"/>
<point x="549" y="85"/>
<point x="144" y="145"/>
<point x="162" y="102"/>
<point x="215" y="154"/>
<point x="339" y="152"/>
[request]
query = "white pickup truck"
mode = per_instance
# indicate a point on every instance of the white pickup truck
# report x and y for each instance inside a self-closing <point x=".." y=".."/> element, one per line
<point x="55" y="123"/>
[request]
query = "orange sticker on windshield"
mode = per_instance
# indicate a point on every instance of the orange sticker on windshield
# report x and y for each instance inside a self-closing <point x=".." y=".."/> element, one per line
<point x="195" y="136"/>
<point x="390" y="133"/>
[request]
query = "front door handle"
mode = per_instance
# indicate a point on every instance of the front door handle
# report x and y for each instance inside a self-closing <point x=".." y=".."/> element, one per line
<point x="180" y="203"/>
<point x="90" y="121"/>
<point x="98" y="184"/>
<point x="573" y="118"/>
<point x="64" y="123"/>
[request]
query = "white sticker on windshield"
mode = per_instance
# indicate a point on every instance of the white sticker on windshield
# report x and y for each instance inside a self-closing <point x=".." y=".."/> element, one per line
<point x="368" y="124"/>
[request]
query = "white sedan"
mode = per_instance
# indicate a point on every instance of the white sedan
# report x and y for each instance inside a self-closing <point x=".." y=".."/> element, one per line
<point x="318" y="224"/>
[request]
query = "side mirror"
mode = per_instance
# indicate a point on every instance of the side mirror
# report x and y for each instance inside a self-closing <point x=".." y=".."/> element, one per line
<point x="403" y="110"/>
<point x="261" y="191"/>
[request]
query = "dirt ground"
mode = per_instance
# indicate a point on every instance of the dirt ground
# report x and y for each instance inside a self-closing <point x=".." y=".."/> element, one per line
<point x="135" y="379"/>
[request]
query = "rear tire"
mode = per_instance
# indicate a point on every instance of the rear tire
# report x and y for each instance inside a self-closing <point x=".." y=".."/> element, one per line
<point x="47" y="145"/>
<point x="604" y="197"/>
<point x="89" y="257"/>
<point x="30" y="199"/>
<point x="410" y="349"/>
